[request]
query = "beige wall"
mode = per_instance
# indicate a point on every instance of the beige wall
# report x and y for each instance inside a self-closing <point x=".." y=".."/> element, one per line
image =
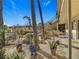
<point x="75" y="7"/>
<point x="64" y="12"/>
<point x="74" y="14"/>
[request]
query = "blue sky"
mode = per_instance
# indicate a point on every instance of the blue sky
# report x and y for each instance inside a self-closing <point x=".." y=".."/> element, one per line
<point x="14" y="10"/>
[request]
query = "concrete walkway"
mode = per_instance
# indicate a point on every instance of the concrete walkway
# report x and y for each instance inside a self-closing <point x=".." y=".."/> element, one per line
<point x="75" y="48"/>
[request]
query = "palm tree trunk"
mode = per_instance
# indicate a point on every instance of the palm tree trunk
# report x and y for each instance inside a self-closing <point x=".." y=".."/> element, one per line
<point x="70" y="31"/>
<point x="3" y="40"/>
<point x="58" y="23"/>
<point x="34" y="23"/>
<point x="42" y="22"/>
<point x="29" y="24"/>
<point x="1" y="23"/>
<point x="1" y="18"/>
<point x="59" y="2"/>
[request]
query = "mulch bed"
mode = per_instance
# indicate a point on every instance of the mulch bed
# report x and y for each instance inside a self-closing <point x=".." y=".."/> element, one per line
<point x="50" y="56"/>
<point x="37" y="57"/>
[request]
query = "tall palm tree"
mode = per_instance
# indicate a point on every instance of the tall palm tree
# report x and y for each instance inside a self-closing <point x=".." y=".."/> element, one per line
<point x="34" y="23"/>
<point x="29" y="20"/>
<point x="42" y="22"/>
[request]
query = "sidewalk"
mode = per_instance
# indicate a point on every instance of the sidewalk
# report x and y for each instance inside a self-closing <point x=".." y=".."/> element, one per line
<point x="75" y="47"/>
<point x="75" y="43"/>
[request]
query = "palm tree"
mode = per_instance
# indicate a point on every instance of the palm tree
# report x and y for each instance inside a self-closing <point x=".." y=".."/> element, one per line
<point x="29" y="20"/>
<point x="34" y="23"/>
<point x="42" y="22"/>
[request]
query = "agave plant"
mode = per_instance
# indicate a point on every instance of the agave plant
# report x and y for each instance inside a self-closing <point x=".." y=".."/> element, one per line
<point x="53" y="46"/>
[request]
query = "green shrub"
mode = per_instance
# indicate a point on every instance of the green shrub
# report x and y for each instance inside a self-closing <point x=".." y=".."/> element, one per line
<point x="29" y="37"/>
<point x="2" y="53"/>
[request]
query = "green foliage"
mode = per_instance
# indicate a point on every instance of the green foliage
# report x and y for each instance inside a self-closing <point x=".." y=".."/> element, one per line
<point x="4" y="29"/>
<point x="15" y="55"/>
<point x="30" y="35"/>
<point x="54" y="44"/>
<point x="2" y="53"/>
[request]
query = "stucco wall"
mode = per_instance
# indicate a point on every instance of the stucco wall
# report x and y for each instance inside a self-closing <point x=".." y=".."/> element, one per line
<point x="64" y="10"/>
<point x="75" y="7"/>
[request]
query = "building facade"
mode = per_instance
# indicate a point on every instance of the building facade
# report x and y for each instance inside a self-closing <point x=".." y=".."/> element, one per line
<point x="63" y="20"/>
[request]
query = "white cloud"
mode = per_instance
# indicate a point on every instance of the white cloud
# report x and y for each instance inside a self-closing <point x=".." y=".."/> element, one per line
<point x="46" y="3"/>
<point x="13" y="5"/>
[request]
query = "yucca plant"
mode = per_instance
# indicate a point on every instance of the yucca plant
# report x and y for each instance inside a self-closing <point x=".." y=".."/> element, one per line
<point x="2" y="53"/>
<point x="53" y="46"/>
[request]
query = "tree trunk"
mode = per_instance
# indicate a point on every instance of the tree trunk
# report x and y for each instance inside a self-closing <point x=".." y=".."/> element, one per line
<point x="1" y="18"/>
<point x="34" y="23"/>
<point x="42" y="22"/>
<point x="70" y="31"/>
<point x="29" y="23"/>
<point x="3" y="40"/>
<point x="1" y="22"/>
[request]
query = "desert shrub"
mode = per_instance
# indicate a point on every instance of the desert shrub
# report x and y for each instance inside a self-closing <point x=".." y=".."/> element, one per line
<point x="2" y="53"/>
